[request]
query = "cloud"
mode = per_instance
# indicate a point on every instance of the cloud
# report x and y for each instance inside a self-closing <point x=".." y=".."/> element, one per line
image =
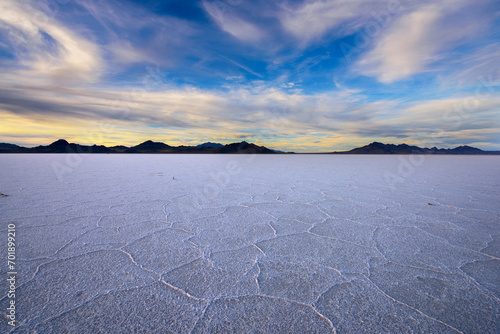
<point x="479" y="67"/>
<point x="311" y="20"/>
<point x="243" y="67"/>
<point x="395" y="39"/>
<point x="406" y="49"/>
<point x="124" y="52"/>
<point x="131" y="34"/>
<point x="262" y="112"/>
<point x="228" y="20"/>
<point x="46" y="48"/>
<point x="420" y="37"/>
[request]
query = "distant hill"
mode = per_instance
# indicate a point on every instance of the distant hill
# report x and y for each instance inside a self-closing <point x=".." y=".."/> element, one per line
<point x="466" y="150"/>
<point x="62" y="146"/>
<point x="6" y="147"/>
<point x="242" y="147"/>
<point x="209" y="144"/>
<point x="150" y="146"/>
<point x="380" y="148"/>
<point x="119" y="148"/>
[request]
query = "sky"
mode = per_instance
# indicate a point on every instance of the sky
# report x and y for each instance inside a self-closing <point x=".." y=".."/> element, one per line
<point x="303" y="76"/>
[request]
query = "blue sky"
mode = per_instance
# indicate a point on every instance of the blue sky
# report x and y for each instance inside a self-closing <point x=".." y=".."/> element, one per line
<point x="306" y="76"/>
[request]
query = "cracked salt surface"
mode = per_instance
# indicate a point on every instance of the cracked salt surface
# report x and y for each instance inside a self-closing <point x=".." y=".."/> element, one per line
<point x="284" y="244"/>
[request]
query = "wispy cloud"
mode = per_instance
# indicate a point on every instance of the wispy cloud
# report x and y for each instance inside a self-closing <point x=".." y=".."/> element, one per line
<point x="406" y="49"/>
<point x="420" y="37"/>
<point x="48" y="49"/>
<point x="243" y="67"/>
<point x="229" y="21"/>
<point x="310" y="20"/>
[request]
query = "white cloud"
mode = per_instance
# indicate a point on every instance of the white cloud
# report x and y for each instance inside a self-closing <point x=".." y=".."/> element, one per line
<point x="121" y="33"/>
<point x="420" y="37"/>
<point x="405" y="49"/>
<point x="397" y="38"/>
<point x="124" y="52"/>
<point x="314" y="19"/>
<point x="47" y="48"/>
<point x="228" y="21"/>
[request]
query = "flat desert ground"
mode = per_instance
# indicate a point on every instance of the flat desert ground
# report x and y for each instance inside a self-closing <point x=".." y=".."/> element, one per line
<point x="252" y="243"/>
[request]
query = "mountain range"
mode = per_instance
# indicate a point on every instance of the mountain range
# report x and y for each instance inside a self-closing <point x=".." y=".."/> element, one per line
<point x="380" y="148"/>
<point x="62" y="146"/>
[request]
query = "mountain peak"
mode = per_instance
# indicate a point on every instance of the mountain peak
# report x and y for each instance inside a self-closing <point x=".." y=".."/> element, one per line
<point x="150" y="146"/>
<point x="464" y="149"/>
<point x="59" y="142"/>
<point x="242" y="147"/>
<point x="210" y="145"/>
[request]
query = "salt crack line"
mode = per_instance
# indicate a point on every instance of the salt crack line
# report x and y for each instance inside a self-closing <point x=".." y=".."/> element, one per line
<point x="452" y="245"/>
<point x="33" y="276"/>
<point x="260" y="249"/>
<point x="410" y="307"/>
<point x="274" y="230"/>
<point x="257" y="278"/>
<point x="330" y="324"/>
<point x="184" y="265"/>
<point x="264" y="212"/>
<point x="201" y="316"/>
<point x="320" y="209"/>
<point x="482" y="289"/>
<point x="74" y="239"/>
<point x="87" y="302"/>
<point x="137" y="264"/>
<point x="184" y="293"/>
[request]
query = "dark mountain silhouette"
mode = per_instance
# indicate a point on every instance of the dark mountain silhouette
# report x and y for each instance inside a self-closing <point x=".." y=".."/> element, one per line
<point x="149" y="146"/>
<point x="6" y="147"/>
<point x="62" y="146"/>
<point x="59" y="143"/>
<point x="242" y="147"/>
<point x="95" y="149"/>
<point x="119" y="148"/>
<point x="380" y="148"/>
<point x="466" y="150"/>
<point x="209" y="144"/>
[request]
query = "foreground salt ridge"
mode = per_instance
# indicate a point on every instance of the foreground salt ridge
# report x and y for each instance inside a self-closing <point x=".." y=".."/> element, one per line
<point x="295" y="244"/>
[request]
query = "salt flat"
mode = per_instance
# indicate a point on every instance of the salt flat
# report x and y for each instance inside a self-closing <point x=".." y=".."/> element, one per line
<point x="253" y="244"/>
